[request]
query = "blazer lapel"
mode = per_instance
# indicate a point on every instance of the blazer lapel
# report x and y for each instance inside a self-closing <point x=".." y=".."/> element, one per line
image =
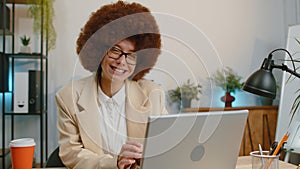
<point x="137" y="112"/>
<point x="88" y="115"/>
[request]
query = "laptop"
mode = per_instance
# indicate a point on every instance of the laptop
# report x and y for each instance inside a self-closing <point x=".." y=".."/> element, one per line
<point x="206" y="140"/>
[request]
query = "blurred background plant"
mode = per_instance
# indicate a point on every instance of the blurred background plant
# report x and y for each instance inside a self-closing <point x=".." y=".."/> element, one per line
<point x="25" y="40"/>
<point x="296" y="102"/>
<point x="227" y="79"/>
<point x="37" y="9"/>
<point x="185" y="93"/>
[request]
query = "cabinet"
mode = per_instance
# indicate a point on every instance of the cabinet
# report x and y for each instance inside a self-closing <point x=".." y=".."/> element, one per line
<point x="14" y="123"/>
<point x="260" y="127"/>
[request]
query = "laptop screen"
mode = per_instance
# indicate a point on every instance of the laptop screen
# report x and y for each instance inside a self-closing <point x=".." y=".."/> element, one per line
<point x="206" y="140"/>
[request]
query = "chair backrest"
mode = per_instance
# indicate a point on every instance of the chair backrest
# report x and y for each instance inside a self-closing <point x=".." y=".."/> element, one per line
<point x="54" y="160"/>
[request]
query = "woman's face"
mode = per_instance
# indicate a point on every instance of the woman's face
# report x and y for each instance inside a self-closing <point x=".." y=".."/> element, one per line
<point x="119" y="62"/>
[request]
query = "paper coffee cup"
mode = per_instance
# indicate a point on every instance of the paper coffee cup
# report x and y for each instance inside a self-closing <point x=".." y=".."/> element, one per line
<point x="22" y="153"/>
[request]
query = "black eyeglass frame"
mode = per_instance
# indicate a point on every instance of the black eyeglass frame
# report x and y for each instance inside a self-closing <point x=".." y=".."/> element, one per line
<point x="120" y="54"/>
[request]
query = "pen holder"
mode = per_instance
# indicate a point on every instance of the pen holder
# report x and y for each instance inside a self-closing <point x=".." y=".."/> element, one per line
<point x="264" y="160"/>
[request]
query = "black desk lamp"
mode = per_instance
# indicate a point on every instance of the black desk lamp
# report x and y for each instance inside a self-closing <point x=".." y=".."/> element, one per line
<point x="262" y="82"/>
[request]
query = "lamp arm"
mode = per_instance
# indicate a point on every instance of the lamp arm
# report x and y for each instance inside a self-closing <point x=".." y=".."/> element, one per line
<point x="262" y="82"/>
<point x="270" y="63"/>
<point x="289" y="54"/>
<point x="285" y="68"/>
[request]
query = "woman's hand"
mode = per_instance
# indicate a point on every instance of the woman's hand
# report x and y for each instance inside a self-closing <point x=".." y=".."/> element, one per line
<point x="131" y="152"/>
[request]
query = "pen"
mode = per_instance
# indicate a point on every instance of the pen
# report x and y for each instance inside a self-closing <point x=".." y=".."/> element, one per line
<point x="284" y="138"/>
<point x="273" y="147"/>
<point x="261" y="153"/>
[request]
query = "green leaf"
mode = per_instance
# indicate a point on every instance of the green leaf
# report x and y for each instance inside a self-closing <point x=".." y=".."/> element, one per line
<point x="296" y="103"/>
<point x="45" y="7"/>
<point x="227" y="79"/>
<point x="187" y="90"/>
<point x="295" y="106"/>
<point x="25" y="40"/>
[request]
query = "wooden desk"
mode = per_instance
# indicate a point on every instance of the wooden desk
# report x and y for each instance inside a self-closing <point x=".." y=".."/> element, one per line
<point x="260" y="127"/>
<point x="243" y="162"/>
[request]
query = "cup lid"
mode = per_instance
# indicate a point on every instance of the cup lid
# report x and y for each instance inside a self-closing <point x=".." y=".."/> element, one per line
<point x="22" y="142"/>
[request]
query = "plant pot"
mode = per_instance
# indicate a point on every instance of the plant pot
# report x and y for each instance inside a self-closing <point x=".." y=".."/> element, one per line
<point x="186" y="103"/>
<point x="266" y="101"/>
<point x="228" y="99"/>
<point x="25" y="49"/>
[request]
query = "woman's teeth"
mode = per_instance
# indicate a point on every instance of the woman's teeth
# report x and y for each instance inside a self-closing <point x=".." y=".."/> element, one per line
<point x="119" y="70"/>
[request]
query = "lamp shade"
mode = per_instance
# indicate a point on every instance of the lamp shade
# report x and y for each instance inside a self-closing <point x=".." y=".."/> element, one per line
<point x="261" y="82"/>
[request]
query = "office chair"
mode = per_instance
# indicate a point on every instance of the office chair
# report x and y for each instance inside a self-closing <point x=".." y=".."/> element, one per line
<point x="54" y="160"/>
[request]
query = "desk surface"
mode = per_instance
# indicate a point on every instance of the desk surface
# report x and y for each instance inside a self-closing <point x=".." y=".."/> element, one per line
<point x="244" y="162"/>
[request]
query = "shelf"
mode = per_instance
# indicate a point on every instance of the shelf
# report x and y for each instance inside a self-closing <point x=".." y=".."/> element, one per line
<point x="26" y="55"/>
<point x="7" y="32"/>
<point x="24" y="114"/>
<point x="1" y="92"/>
<point x="23" y="62"/>
<point x="17" y="1"/>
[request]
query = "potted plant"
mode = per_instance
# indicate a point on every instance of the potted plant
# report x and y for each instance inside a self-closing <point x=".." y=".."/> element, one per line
<point x="296" y="102"/>
<point x="25" y="41"/>
<point x="185" y="93"/>
<point x="36" y="10"/>
<point x="229" y="81"/>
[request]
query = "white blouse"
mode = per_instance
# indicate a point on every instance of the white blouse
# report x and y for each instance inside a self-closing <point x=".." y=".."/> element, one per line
<point x="112" y="121"/>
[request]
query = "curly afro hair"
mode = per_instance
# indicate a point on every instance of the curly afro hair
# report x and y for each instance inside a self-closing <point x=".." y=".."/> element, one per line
<point x="115" y="22"/>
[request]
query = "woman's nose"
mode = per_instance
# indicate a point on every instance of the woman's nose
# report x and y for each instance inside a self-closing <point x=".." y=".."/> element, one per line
<point x="122" y="59"/>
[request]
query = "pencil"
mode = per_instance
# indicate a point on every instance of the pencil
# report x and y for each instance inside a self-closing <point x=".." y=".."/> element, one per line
<point x="284" y="138"/>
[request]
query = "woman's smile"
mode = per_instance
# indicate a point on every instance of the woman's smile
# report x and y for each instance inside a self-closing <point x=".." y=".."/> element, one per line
<point x="117" y="69"/>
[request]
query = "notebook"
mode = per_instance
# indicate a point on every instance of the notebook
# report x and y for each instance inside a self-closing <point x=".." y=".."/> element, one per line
<point x="206" y="140"/>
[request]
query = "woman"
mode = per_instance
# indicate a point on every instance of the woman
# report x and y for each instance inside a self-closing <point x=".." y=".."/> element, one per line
<point x="102" y="118"/>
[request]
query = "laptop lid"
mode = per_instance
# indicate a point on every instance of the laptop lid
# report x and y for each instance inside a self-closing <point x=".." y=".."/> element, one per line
<point x="208" y="140"/>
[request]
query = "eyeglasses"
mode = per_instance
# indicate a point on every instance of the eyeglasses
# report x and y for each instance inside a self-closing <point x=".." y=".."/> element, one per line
<point x="116" y="53"/>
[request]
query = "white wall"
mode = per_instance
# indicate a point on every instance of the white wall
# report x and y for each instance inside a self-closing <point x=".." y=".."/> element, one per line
<point x="242" y="32"/>
<point x="232" y="33"/>
<point x="199" y="36"/>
